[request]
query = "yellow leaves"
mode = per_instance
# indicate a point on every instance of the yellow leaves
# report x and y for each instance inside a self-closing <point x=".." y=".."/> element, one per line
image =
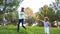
<point x="29" y="11"/>
<point x="44" y="10"/>
<point x="37" y="16"/>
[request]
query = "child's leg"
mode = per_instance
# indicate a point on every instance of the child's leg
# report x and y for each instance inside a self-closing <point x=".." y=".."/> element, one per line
<point x="46" y="30"/>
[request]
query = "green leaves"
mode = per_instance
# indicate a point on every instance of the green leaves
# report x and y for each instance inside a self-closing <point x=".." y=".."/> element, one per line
<point x="51" y="15"/>
<point x="1" y="15"/>
<point x="1" y="12"/>
<point x="1" y="1"/>
<point x="58" y="15"/>
<point x="14" y="3"/>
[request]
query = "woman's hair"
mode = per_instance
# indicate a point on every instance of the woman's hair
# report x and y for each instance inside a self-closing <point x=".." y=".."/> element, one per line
<point x="46" y="18"/>
<point x="22" y="9"/>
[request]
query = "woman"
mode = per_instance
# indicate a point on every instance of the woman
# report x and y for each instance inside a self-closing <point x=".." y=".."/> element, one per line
<point x="21" y="16"/>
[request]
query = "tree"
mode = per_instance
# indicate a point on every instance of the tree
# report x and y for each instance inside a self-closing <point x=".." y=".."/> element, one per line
<point x="30" y="20"/>
<point x="45" y="9"/>
<point x="51" y="15"/>
<point x="56" y="7"/>
<point x="41" y="14"/>
<point x="29" y="11"/>
<point x="1" y="1"/>
<point x="38" y="17"/>
<point x="9" y="6"/>
<point x="1" y="15"/>
<point x="58" y="15"/>
<point x="12" y="17"/>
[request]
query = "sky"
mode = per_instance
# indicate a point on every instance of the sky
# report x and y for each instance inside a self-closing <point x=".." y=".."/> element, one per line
<point x="35" y="4"/>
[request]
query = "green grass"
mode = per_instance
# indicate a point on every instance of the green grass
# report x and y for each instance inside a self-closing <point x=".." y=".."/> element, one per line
<point x="30" y="30"/>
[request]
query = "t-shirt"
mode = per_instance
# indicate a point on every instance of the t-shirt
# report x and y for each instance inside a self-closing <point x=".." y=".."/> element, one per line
<point x="46" y="24"/>
<point x="21" y="15"/>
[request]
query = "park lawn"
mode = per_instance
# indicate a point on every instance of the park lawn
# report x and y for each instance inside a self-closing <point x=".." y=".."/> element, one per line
<point x="30" y="30"/>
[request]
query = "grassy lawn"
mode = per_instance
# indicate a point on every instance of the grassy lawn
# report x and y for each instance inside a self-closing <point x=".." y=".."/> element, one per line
<point x="30" y="30"/>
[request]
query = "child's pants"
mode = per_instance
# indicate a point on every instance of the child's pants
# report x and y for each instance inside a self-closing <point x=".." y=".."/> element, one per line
<point x="46" y="30"/>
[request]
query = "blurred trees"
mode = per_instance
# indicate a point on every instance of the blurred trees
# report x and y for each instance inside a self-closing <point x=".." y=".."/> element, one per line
<point x="30" y="18"/>
<point x="48" y="12"/>
<point x="29" y="11"/>
<point x="45" y="11"/>
<point x="8" y="8"/>
<point x="51" y="15"/>
<point x="1" y="15"/>
<point x="38" y="17"/>
<point x="30" y="21"/>
<point x="41" y="14"/>
<point x="1" y="1"/>
<point x="12" y="17"/>
<point x="58" y="15"/>
<point x="56" y="8"/>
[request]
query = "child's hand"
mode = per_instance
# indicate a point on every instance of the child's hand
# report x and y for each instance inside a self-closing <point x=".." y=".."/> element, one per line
<point x="48" y="24"/>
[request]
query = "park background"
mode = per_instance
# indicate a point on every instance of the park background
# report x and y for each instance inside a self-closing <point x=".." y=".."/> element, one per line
<point x="9" y="16"/>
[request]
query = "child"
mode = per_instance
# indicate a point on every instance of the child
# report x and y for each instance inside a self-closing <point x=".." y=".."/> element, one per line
<point x="46" y="25"/>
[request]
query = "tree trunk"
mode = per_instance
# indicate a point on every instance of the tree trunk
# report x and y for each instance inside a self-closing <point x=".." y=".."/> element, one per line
<point x="4" y="10"/>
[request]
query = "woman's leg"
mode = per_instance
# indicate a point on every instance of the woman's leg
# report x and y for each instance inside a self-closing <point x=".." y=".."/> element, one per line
<point x="18" y="24"/>
<point x="23" y="24"/>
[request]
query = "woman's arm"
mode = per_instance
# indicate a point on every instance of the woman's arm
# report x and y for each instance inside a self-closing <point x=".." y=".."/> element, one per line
<point x="25" y="15"/>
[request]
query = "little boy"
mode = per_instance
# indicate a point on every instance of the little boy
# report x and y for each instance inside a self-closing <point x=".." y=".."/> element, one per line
<point x="46" y="25"/>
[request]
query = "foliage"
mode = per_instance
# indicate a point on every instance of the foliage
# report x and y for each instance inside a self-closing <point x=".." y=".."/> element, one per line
<point x="12" y="17"/>
<point x="1" y="1"/>
<point x="51" y="15"/>
<point x="42" y="12"/>
<point x="29" y="11"/>
<point x="1" y="15"/>
<point x="8" y="17"/>
<point x="8" y="8"/>
<point x="30" y="20"/>
<point x="58" y="15"/>
<point x="45" y="8"/>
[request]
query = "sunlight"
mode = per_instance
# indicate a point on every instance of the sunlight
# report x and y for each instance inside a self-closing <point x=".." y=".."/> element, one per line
<point x="35" y="4"/>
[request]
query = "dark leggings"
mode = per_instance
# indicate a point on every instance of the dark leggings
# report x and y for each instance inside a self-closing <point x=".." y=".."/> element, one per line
<point x="21" y="20"/>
